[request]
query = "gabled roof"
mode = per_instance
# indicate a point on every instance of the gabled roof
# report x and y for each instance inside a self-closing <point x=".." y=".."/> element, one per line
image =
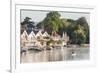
<point x="24" y="34"/>
<point x="45" y="34"/>
<point x="39" y="33"/>
<point x="35" y="31"/>
<point x="28" y="31"/>
<point x="32" y="34"/>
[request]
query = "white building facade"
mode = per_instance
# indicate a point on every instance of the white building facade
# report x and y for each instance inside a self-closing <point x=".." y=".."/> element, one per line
<point x="40" y="39"/>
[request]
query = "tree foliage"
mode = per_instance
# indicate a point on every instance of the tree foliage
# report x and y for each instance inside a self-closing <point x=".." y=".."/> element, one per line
<point x="28" y="23"/>
<point x="51" y="22"/>
<point x="77" y="30"/>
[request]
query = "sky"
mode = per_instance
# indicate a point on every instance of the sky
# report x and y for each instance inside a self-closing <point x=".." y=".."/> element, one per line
<point x="38" y="16"/>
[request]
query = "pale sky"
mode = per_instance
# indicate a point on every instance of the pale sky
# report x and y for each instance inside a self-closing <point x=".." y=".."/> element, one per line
<point x="38" y="16"/>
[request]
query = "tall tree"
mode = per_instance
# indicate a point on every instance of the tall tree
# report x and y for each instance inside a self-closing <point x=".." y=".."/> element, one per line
<point x="83" y="22"/>
<point x="52" y="21"/>
<point x="27" y="24"/>
<point x="26" y="20"/>
<point x="78" y="30"/>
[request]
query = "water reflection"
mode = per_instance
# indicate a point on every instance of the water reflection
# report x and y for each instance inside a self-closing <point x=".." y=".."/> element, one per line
<point x="56" y="54"/>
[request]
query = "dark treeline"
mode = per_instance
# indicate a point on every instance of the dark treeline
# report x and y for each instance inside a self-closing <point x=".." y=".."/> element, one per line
<point x="77" y="30"/>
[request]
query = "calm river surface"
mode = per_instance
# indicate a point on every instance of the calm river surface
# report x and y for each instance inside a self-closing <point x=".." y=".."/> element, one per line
<point x="59" y="54"/>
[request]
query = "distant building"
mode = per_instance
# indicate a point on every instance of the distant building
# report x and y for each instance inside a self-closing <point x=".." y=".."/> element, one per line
<point x="31" y="36"/>
<point x="45" y="34"/>
<point x="55" y="36"/>
<point x="39" y="38"/>
<point x="39" y="34"/>
<point x="24" y="38"/>
<point x="65" y="38"/>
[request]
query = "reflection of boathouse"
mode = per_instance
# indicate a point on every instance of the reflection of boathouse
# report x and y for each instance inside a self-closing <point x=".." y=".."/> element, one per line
<point x="39" y="38"/>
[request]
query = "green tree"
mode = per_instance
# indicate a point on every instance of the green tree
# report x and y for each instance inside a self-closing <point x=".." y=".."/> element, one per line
<point x="78" y="31"/>
<point x="26" y="21"/>
<point x="52" y="22"/>
<point x="83" y="22"/>
<point x="80" y="36"/>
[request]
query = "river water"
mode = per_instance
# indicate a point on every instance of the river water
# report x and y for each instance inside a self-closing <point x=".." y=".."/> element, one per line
<point x="57" y="54"/>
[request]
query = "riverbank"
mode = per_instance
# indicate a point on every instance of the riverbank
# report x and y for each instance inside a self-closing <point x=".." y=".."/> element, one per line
<point x="77" y="46"/>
